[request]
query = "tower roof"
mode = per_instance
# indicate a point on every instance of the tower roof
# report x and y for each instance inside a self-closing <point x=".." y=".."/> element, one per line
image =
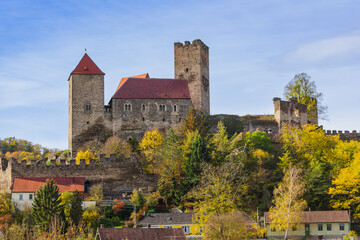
<point x="150" y="88"/>
<point x="87" y="66"/>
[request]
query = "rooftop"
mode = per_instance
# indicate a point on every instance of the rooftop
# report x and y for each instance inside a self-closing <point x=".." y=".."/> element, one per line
<point x="141" y="233"/>
<point x="32" y="184"/>
<point x="167" y="219"/>
<point x="321" y="217"/>
<point x="87" y="66"/>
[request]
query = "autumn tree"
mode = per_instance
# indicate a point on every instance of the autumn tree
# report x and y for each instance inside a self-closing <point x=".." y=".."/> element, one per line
<point x="6" y="206"/>
<point x="87" y="155"/>
<point x="151" y="141"/>
<point x="288" y="201"/>
<point x="229" y="226"/>
<point x="47" y="204"/>
<point x="115" y="145"/>
<point x="302" y="88"/>
<point x="96" y="193"/>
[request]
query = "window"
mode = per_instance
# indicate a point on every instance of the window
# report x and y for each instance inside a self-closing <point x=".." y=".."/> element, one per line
<point x="201" y="229"/>
<point x="174" y="108"/>
<point x="167" y="226"/>
<point x="294" y="228"/>
<point x="88" y="108"/>
<point x="179" y="119"/>
<point x="162" y="107"/>
<point x="320" y="227"/>
<point x="328" y="227"/>
<point x="273" y="229"/>
<point x="342" y="227"/>
<point x="143" y="107"/>
<point x="21" y="197"/>
<point x="163" y="119"/>
<point x="143" y="119"/>
<point x="127" y="107"/>
<point x="30" y="196"/>
<point x="186" y="229"/>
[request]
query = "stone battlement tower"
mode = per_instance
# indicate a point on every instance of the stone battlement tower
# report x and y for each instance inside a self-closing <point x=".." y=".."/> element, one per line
<point x="192" y="64"/>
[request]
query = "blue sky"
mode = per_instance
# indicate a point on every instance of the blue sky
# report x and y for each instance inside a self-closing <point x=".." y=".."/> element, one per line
<point x="256" y="47"/>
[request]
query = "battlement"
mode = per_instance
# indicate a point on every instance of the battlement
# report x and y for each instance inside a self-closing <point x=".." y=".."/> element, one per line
<point x="345" y="135"/>
<point x="196" y="42"/>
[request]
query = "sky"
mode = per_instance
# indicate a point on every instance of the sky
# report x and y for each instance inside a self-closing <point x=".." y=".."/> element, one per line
<point x="256" y="48"/>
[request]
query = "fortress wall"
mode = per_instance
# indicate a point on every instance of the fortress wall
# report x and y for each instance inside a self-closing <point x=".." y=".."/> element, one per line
<point x="115" y="174"/>
<point x="345" y="135"/>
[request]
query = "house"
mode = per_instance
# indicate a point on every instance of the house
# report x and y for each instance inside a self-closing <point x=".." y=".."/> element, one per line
<point x="140" y="234"/>
<point x="23" y="189"/>
<point x="314" y="224"/>
<point x="172" y="220"/>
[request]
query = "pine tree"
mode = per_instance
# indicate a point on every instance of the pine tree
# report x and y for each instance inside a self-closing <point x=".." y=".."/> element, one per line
<point x="76" y="210"/>
<point x="47" y="204"/>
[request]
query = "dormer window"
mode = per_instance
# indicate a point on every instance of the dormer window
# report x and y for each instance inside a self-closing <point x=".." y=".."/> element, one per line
<point x="87" y="108"/>
<point x="174" y="108"/>
<point x="162" y="107"/>
<point x="127" y="107"/>
<point x="143" y="107"/>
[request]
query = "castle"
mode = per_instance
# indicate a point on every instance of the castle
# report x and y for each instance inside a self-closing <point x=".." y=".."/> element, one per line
<point x="140" y="103"/>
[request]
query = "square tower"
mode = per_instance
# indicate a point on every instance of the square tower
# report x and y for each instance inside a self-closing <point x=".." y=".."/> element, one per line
<point x="192" y="64"/>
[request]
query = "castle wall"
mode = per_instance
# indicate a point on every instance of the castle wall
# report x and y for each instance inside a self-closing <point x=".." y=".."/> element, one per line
<point x="192" y="64"/>
<point x="290" y="112"/>
<point x="136" y="122"/>
<point x="344" y="135"/>
<point x="115" y="174"/>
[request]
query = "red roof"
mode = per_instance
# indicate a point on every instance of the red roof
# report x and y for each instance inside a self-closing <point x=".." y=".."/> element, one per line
<point x="321" y="217"/>
<point x="31" y="184"/>
<point x="87" y="66"/>
<point x="138" y="88"/>
<point x="141" y="233"/>
<point x="123" y="80"/>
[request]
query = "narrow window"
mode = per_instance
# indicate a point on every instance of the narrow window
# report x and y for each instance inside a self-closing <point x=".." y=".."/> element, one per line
<point x="143" y="119"/>
<point x="179" y="119"/>
<point x="143" y="107"/>
<point x="342" y="227"/>
<point x="328" y="227"/>
<point x="30" y="196"/>
<point x="127" y="107"/>
<point x="168" y="227"/>
<point x="163" y="119"/>
<point x="87" y="108"/>
<point x="320" y="227"/>
<point x="186" y="229"/>
<point x="174" y="108"/>
<point x="21" y="197"/>
<point x="162" y="107"/>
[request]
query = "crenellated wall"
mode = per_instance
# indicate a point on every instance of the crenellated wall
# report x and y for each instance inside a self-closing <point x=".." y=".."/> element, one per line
<point x="116" y="174"/>
<point x="345" y="135"/>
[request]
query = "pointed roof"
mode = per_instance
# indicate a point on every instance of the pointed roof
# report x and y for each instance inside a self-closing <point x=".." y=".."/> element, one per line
<point x="87" y="66"/>
<point x="161" y="88"/>
<point x="123" y="80"/>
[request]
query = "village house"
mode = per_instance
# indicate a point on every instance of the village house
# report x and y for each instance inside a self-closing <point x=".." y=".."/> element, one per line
<point x="314" y="224"/>
<point x="139" y="234"/>
<point x="23" y="189"/>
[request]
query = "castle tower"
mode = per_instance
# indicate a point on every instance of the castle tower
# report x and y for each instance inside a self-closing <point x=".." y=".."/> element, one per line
<point x="86" y="99"/>
<point x="192" y="64"/>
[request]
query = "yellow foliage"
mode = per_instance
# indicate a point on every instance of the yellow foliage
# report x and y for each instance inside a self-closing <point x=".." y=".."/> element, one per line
<point x="5" y="204"/>
<point x="84" y="155"/>
<point x="90" y="217"/>
<point x="151" y="141"/>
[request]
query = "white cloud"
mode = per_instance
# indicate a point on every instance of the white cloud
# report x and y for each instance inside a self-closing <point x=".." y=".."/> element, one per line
<point x="332" y="49"/>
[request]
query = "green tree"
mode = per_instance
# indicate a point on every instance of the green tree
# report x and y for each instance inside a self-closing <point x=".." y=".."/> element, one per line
<point x="47" y="204"/>
<point x="76" y="209"/>
<point x="288" y="201"/>
<point x="221" y="146"/>
<point x="305" y="91"/>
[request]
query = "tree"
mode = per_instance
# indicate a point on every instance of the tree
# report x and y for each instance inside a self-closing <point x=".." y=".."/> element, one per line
<point x="136" y="198"/>
<point x="346" y="188"/>
<point x="229" y="226"/>
<point x="115" y="145"/>
<point x="47" y="204"/>
<point x="288" y="201"/>
<point x="96" y="193"/>
<point x="221" y="145"/>
<point x="76" y="209"/>
<point x="66" y="198"/>
<point x="5" y="203"/>
<point x="151" y="141"/>
<point x="117" y="206"/>
<point x="305" y="91"/>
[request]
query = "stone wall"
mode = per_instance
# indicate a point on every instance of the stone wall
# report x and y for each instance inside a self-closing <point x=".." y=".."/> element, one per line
<point x="344" y="135"/>
<point x="115" y="174"/>
<point x="290" y="112"/>
<point x="192" y="64"/>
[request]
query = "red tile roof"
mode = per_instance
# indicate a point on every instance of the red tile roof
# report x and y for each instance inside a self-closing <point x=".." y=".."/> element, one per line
<point x="141" y="233"/>
<point x="123" y="80"/>
<point x="137" y="88"/>
<point x="31" y="184"/>
<point x="87" y="66"/>
<point x="321" y="217"/>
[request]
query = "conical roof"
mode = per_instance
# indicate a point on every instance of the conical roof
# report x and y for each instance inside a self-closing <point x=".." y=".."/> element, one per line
<point x="87" y="66"/>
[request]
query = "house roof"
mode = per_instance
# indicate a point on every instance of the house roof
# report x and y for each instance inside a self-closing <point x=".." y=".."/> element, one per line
<point x="320" y="217"/>
<point x="167" y="219"/>
<point x="123" y="80"/>
<point x="87" y="66"/>
<point x="141" y="233"/>
<point x="150" y="88"/>
<point x="32" y="184"/>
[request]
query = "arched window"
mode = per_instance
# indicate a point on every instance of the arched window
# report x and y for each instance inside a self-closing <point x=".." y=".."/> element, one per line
<point x="87" y="108"/>
<point x="127" y="107"/>
<point x="143" y="107"/>
<point x="175" y="108"/>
